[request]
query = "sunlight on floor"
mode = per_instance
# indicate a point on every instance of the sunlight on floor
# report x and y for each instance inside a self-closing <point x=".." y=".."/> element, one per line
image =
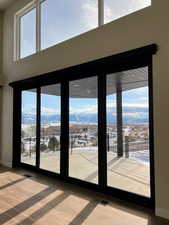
<point x="27" y="201"/>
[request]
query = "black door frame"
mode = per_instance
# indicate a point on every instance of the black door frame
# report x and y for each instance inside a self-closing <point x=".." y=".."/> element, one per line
<point x="124" y="61"/>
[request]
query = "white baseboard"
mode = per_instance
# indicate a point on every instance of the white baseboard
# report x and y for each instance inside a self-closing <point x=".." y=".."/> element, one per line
<point x="162" y="213"/>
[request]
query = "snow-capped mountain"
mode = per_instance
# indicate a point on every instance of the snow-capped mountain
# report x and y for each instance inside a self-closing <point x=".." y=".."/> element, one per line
<point x="134" y="114"/>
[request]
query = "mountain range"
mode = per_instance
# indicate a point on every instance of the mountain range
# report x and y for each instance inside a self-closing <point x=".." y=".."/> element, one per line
<point x="130" y="115"/>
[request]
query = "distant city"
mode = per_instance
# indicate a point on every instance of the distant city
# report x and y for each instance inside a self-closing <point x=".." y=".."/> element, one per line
<point x="83" y="137"/>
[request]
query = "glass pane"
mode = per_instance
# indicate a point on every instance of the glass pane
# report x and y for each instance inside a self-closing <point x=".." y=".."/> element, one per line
<point x="128" y="161"/>
<point x="28" y="34"/>
<point x="62" y="20"/>
<point x="28" y="127"/>
<point x="115" y="9"/>
<point x="50" y="128"/>
<point x="83" y="130"/>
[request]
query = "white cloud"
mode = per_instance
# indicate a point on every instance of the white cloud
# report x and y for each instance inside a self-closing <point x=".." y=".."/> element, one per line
<point x="90" y="14"/>
<point x="143" y="99"/>
<point x="29" y="109"/>
<point x="112" y="106"/>
<point x="128" y="105"/>
<point x="135" y="105"/>
<point x="136" y="115"/>
<point x="89" y="110"/>
<point x="139" y="4"/>
<point x="132" y="115"/>
<point x="108" y="14"/>
<point x="114" y="10"/>
<point x="44" y="110"/>
<point x="49" y="111"/>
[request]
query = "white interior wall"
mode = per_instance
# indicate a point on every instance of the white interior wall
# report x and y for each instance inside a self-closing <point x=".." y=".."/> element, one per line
<point x="1" y="44"/>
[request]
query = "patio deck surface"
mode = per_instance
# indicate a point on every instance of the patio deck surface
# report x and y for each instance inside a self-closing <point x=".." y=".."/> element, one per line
<point x="123" y="173"/>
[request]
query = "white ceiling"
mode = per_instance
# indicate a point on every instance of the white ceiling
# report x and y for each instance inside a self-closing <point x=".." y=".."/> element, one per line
<point x="5" y="3"/>
<point x="87" y="87"/>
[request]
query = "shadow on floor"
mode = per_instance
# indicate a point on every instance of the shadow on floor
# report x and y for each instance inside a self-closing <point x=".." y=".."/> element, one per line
<point x="93" y="198"/>
<point x="21" y="207"/>
<point x="12" y="183"/>
<point x="84" y="213"/>
<point x="44" y="210"/>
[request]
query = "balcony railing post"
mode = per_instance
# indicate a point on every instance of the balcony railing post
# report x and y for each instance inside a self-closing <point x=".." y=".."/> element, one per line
<point x="108" y="144"/>
<point x="126" y="147"/>
<point x="119" y="121"/>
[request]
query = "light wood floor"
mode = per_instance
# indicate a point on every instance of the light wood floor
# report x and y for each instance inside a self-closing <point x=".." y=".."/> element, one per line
<point x="44" y="201"/>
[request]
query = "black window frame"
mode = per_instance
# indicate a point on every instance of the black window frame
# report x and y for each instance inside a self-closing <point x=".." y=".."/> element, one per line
<point x="132" y="59"/>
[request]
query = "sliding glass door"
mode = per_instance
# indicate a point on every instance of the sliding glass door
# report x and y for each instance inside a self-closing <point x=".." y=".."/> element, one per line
<point x="127" y="130"/>
<point x="128" y="161"/>
<point x="28" y="126"/>
<point x="91" y="129"/>
<point x="83" y="129"/>
<point x="50" y="128"/>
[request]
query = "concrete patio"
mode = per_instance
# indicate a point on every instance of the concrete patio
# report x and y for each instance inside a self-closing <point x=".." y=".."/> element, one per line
<point x="123" y="173"/>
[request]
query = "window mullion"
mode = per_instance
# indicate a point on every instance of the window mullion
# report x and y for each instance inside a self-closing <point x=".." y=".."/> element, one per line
<point x="100" y="12"/>
<point x="38" y="126"/>
<point x="38" y="26"/>
<point x="17" y="38"/>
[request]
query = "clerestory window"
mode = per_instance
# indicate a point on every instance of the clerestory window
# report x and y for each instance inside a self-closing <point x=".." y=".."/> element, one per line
<point x="44" y="23"/>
